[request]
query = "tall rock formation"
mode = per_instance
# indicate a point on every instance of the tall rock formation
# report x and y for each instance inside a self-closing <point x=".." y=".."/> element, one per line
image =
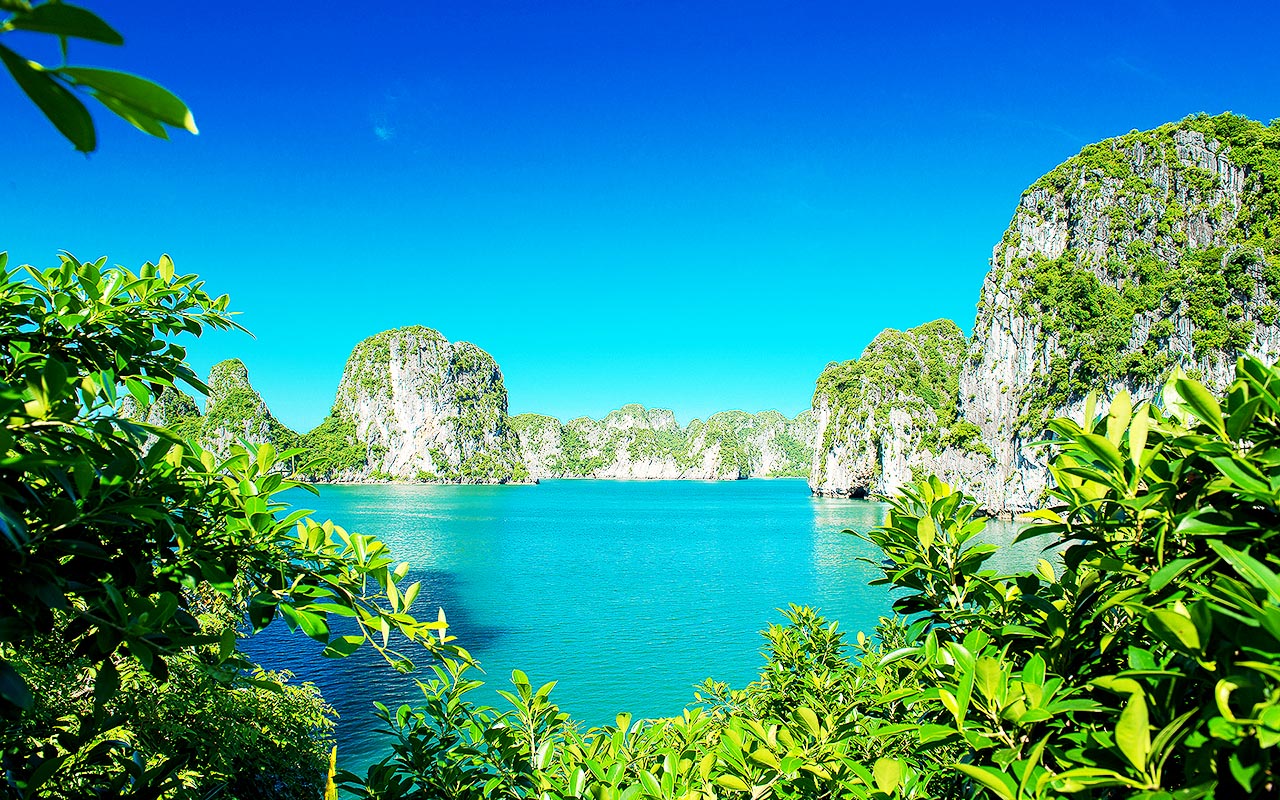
<point x="638" y="443"/>
<point x="886" y="416"/>
<point x="1149" y="250"/>
<point x="413" y="406"/>
<point x="1144" y="251"/>
<point x="235" y="412"/>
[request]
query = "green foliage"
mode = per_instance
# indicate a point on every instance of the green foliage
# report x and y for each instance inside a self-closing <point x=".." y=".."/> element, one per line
<point x="1147" y="661"/>
<point x="966" y="436"/>
<point x="141" y="103"/>
<point x="799" y="732"/>
<point x="263" y="739"/>
<point x="112" y="531"/>
<point x="576" y="456"/>
<point x="796" y="457"/>
<point x="333" y="448"/>
<point x="1089" y="302"/>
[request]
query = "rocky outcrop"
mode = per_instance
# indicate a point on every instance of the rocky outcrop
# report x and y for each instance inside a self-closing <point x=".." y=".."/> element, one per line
<point x="1145" y="251"/>
<point x="638" y="443"/>
<point x="172" y="409"/>
<point x="234" y="413"/>
<point x="413" y="406"/>
<point x="885" y="416"/>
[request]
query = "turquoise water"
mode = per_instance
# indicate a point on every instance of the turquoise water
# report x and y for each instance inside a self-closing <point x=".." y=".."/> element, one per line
<point x="628" y="593"/>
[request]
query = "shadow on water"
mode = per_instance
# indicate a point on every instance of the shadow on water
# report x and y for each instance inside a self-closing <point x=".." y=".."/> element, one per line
<point x="352" y="684"/>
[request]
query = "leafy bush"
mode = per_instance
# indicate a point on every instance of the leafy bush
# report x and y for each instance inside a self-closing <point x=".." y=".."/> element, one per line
<point x="118" y="540"/>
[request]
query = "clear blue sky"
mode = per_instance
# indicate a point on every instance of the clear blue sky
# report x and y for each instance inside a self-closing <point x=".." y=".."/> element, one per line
<point x="688" y="205"/>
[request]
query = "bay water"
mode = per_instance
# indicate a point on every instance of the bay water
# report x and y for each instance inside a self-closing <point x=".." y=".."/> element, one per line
<point x="627" y="593"/>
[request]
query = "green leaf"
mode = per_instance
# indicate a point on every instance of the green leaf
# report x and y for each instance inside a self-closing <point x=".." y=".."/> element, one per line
<point x="131" y="115"/>
<point x="990" y="678"/>
<point x="62" y="108"/>
<point x="1102" y="450"/>
<point x="1138" y="435"/>
<point x="1045" y="570"/>
<point x="1090" y="409"/>
<point x="1174" y="629"/>
<point x="1169" y="572"/>
<point x="1033" y="671"/>
<point x="1118" y="417"/>
<point x="226" y="644"/>
<point x="809" y="719"/>
<point x="1240" y="418"/>
<point x="342" y="646"/>
<point x="13" y="688"/>
<point x="312" y="624"/>
<point x="61" y="19"/>
<point x="733" y="782"/>
<point x="650" y="783"/>
<point x="1243" y="474"/>
<point x="1133" y="731"/>
<point x="1249" y="568"/>
<point x="148" y="98"/>
<point x="927" y="531"/>
<point x="766" y="757"/>
<point x="1201" y="403"/>
<point x="991" y="778"/>
<point x="888" y="772"/>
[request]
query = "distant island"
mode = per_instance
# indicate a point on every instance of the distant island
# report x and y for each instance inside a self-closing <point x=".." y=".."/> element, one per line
<point x="412" y="406"/>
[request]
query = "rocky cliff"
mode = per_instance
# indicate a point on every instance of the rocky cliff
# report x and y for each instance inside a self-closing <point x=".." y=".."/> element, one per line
<point x="886" y="415"/>
<point x="413" y="406"/>
<point x="234" y="413"/>
<point x="638" y="443"/>
<point x="1144" y="251"/>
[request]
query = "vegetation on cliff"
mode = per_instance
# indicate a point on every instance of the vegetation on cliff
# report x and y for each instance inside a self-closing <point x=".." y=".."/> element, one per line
<point x="1156" y="235"/>
<point x="647" y="443"/>
<point x="424" y="409"/>
<point x="235" y="411"/>
<point x="914" y="373"/>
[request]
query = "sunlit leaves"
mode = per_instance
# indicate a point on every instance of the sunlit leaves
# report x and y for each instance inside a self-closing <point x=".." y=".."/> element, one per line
<point x="120" y="534"/>
<point x="144" y="104"/>
<point x="53" y="99"/>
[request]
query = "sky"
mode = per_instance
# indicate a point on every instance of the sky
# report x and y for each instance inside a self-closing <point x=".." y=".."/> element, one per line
<point x="693" y="206"/>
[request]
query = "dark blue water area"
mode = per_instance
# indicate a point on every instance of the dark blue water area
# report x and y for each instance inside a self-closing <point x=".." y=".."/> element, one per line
<point x="627" y="593"/>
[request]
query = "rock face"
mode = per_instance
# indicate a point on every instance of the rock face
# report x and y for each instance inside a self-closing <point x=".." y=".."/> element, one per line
<point x="638" y="443"/>
<point x="171" y="409"/>
<point x="413" y="406"/>
<point x="885" y="416"/>
<point x="234" y="413"/>
<point x="1146" y="251"/>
